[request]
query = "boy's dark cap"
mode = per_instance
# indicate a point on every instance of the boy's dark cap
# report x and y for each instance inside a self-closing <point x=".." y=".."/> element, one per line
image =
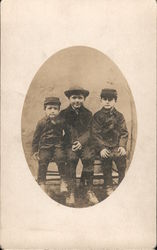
<point x="76" y="91"/>
<point x="109" y="93"/>
<point x="52" y="100"/>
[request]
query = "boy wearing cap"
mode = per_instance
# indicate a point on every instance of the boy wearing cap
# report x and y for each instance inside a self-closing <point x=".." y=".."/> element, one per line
<point x="77" y="141"/>
<point x="110" y="136"/>
<point x="48" y="140"/>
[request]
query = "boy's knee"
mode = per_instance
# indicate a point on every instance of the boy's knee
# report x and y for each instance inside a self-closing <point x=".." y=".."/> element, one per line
<point x="72" y="156"/>
<point x="44" y="157"/>
<point x="87" y="160"/>
<point x="121" y="162"/>
<point x="88" y="156"/>
<point x="59" y="156"/>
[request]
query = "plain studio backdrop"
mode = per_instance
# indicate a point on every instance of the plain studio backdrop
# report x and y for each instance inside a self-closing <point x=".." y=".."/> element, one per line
<point x="32" y="32"/>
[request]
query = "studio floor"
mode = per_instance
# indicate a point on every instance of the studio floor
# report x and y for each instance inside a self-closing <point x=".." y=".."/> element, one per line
<point x="52" y="187"/>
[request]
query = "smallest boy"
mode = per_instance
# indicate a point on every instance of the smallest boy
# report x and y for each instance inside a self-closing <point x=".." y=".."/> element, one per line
<point x="48" y="140"/>
<point x="110" y="136"/>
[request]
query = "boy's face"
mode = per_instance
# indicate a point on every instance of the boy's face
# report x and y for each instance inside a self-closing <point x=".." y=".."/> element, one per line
<point x="52" y="110"/>
<point x="108" y="102"/>
<point x="76" y="101"/>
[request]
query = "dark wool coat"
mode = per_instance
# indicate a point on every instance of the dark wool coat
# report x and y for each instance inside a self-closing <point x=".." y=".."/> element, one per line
<point x="109" y="129"/>
<point x="47" y="134"/>
<point x="77" y="125"/>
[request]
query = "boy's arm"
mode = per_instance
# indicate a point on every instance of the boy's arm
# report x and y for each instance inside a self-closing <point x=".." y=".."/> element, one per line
<point x="96" y="133"/>
<point x="123" y="132"/>
<point x="36" y="137"/>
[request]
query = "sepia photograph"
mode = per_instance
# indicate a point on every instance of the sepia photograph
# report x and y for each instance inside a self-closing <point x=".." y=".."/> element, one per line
<point x="79" y="127"/>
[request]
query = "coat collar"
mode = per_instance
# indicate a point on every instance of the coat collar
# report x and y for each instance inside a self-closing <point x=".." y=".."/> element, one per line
<point x="111" y="111"/>
<point x="71" y="109"/>
<point x="48" y="120"/>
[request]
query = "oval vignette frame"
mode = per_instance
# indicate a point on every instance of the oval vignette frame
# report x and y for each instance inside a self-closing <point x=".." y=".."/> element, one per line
<point x="88" y="68"/>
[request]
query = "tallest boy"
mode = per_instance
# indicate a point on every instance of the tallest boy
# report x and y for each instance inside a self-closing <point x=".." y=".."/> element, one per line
<point x="78" y="121"/>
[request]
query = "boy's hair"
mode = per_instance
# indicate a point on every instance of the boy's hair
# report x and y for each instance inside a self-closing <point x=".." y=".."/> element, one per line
<point x="109" y="93"/>
<point x="52" y="101"/>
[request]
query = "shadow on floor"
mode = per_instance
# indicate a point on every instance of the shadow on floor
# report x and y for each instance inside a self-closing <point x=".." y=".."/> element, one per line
<point x="52" y="188"/>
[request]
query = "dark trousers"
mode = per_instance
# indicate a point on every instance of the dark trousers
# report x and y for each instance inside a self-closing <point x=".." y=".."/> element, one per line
<point x="120" y="162"/>
<point x="86" y="154"/>
<point x="46" y="156"/>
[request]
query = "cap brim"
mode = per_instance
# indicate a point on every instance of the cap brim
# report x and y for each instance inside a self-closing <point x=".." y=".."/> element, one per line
<point x="52" y="103"/>
<point x="68" y="93"/>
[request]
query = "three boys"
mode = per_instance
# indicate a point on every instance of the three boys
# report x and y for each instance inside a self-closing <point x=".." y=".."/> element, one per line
<point x="107" y="129"/>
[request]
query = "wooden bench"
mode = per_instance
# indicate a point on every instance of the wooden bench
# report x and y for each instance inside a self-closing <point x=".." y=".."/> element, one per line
<point x="53" y="174"/>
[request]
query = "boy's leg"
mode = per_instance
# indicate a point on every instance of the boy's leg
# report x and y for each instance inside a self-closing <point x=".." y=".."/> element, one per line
<point x="45" y="156"/>
<point x="87" y="158"/>
<point x="121" y="166"/>
<point x="72" y="161"/>
<point x="107" y="172"/>
<point x="60" y="159"/>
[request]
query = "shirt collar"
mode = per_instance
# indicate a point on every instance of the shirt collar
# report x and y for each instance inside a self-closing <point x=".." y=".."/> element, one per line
<point x="75" y="110"/>
<point x="49" y="120"/>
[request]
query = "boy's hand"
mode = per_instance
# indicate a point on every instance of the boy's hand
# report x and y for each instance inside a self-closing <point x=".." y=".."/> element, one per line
<point x="121" y="151"/>
<point x="36" y="156"/>
<point x="105" y="153"/>
<point x="76" y="146"/>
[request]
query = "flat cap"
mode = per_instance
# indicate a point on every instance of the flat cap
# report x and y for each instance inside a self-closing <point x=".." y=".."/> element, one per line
<point x="76" y="91"/>
<point x="109" y="93"/>
<point x="52" y="100"/>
